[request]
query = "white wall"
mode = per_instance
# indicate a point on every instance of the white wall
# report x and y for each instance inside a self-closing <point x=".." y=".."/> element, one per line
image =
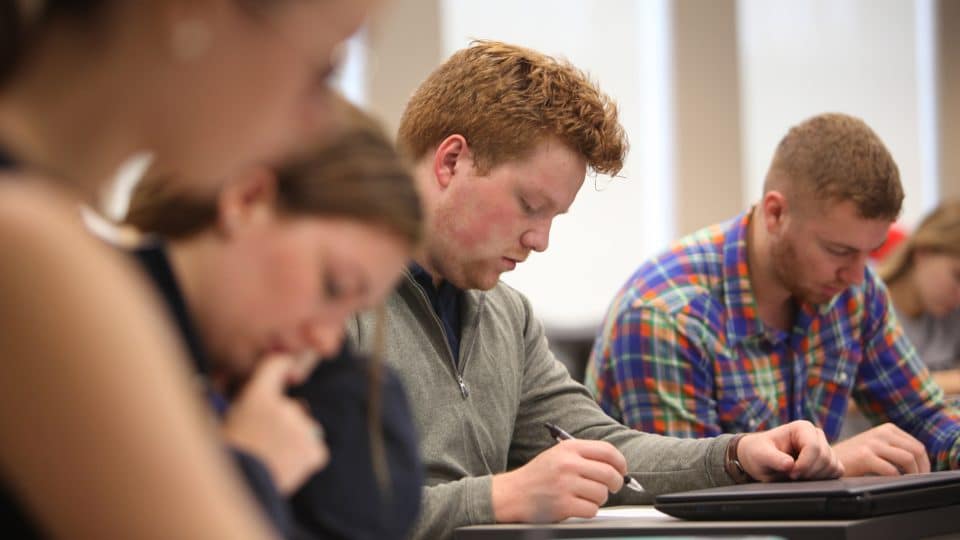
<point x="871" y="58"/>
<point x="799" y="58"/>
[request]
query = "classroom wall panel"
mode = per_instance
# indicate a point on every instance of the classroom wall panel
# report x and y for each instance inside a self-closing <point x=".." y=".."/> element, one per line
<point x="948" y="63"/>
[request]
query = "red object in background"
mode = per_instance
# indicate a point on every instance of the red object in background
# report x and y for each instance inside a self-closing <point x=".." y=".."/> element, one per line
<point x="896" y="235"/>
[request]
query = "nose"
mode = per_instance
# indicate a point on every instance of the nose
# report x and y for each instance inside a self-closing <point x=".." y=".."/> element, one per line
<point x="852" y="274"/>
<point x="324" y="336"/>
<point x="537" y="238"/>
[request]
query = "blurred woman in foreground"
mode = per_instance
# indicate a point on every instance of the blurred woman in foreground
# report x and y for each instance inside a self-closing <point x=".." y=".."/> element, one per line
<point x="101" y="433"/>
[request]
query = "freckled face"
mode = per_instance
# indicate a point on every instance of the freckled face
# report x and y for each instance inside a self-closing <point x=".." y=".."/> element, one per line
<point x="485" y="225"/>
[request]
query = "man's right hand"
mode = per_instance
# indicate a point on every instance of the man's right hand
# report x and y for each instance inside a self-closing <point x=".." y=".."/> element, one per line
<point x="571" y="479"/>
<point x="797" y="451"/>
<point x="275" y="428"/>
<point x="884" y="450"/>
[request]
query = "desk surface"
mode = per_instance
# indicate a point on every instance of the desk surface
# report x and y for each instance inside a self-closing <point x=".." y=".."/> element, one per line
<point x="645" y="520"/>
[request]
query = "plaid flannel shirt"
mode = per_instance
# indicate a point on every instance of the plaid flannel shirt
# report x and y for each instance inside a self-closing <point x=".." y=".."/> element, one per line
<point x="683" y="353"/>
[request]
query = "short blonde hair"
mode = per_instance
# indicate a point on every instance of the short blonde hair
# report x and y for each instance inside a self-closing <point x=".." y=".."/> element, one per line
<point x="505" y="99"/>
<point x="835" y="157"/>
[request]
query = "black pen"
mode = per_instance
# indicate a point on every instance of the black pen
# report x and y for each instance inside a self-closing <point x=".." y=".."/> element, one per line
<point x="561" y="435"/>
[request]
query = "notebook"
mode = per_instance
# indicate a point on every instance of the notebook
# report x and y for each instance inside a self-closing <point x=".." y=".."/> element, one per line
<point x="844" y="498"/>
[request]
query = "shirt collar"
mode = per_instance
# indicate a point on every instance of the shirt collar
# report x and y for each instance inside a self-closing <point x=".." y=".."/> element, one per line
<point x="425" y="279"/>
<point x="740" y="302"/>
<point x="419" y="274"/>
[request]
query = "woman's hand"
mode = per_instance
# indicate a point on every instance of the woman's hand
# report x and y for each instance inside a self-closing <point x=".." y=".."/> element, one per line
<point x="275" y="428"/>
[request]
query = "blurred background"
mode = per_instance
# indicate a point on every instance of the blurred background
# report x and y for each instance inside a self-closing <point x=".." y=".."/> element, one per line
<point x="706" y="89"/>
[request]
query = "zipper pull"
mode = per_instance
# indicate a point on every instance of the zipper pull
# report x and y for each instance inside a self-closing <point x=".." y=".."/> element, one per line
<point x="463" y="387"/>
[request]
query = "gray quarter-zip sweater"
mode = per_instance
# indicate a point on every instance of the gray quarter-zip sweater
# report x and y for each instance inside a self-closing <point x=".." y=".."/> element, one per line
<point x="484" y="415"/>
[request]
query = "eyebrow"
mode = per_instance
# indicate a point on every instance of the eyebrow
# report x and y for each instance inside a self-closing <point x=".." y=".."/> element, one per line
<point x="538" y="193"/>
<point x="846" y="247"/>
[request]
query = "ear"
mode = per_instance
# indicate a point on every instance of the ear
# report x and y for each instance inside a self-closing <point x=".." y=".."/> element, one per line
<point x="775" y="209"/>
<point x="247" y="199"/>
<point x="451" y="157"/>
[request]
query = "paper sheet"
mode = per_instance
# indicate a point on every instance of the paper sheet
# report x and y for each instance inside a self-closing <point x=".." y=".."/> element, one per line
<point x="644" y="513"/>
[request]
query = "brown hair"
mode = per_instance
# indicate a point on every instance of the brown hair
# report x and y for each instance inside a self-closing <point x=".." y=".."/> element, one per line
<point x="505" y="99"/>
<point x="835" y="157"/>
<point x="938" y="232"/>
<point x="356" y="174"/>
<point x="22" y="24"/>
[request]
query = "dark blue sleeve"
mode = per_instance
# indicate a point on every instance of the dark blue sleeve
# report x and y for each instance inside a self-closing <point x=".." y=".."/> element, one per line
<point x="344" y="500"/>
<point x="261" y="485"/>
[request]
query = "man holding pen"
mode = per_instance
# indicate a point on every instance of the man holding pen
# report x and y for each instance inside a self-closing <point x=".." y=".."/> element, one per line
<point x="501" y="138"/>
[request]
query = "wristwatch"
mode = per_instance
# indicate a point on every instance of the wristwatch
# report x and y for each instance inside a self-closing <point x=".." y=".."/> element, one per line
<point x="732" y="464"/>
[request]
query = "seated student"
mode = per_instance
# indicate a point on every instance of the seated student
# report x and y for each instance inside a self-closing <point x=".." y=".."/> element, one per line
<point x="775" y="316"/>
<point x="275" y="265"/>
<point x="101" y="433"/>
<point x="501" y="137"/>
<point x="923" y="276"/>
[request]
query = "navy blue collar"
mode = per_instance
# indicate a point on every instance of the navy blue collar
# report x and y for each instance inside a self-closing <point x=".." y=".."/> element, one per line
<point x="420" y="275"/>
<point x="425" y="279"/>
<point x="446" y="300"/>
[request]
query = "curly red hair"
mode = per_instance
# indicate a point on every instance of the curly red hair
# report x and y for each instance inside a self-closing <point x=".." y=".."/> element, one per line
<point x="505" y="99"/>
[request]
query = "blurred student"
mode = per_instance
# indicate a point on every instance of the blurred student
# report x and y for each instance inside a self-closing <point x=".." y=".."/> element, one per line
<point x="101" y="433"/>
<point x="923" y="277"/>
<point x="775" y="316"/>
<point x="275" y="265"/>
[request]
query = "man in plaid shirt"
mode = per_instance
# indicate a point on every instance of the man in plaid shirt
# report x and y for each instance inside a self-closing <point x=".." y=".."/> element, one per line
<point x="774" y="316"/>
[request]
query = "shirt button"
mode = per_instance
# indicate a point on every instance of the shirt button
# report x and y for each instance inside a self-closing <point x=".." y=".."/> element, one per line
<point x="752" y="423"/>
<point x="842" y="378"/>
